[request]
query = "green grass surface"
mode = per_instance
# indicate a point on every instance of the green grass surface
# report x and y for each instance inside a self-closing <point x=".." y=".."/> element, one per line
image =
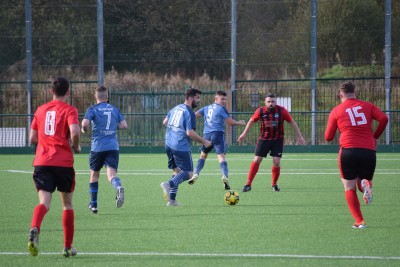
<point x="306" y="224"/>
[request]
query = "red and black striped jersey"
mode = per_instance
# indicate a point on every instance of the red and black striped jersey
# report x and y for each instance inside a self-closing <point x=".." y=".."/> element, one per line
<point x="271" y="122"/>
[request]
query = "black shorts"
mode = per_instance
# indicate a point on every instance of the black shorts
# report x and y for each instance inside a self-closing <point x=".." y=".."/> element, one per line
<point x="357" y="163"/>
<point x="48" y="178"/>
<point x="273" y="147"/>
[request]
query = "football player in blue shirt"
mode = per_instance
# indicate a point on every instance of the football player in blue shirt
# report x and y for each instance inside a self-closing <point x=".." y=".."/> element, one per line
<point x="215" y="116"/>
<point x="181" y="126"/>
<point x="104" y="151"/>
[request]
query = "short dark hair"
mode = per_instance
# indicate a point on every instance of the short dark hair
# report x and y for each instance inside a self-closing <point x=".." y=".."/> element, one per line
<point x="192" y="92"/>
<point x="347" y="87"/>
<point x="269" y="95"/>
<point x="101" y="88"/>
<point x="60" y="86"/>
<point x="102" y="92"/>
<point x="221" y="93"/>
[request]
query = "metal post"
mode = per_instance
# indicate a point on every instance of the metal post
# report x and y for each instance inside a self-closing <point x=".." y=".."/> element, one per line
<point x="28" y="26"/>
<point x="233" y="63"/>
<point x="388" y="61"/>
<point x="313" y="69"/>
<point x="100" y="43"/>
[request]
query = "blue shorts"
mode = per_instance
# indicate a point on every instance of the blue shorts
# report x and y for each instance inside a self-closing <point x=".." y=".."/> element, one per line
<point x="179" y="159"/>
<point x="218" y="142"/>
<point x="105" y="158"/>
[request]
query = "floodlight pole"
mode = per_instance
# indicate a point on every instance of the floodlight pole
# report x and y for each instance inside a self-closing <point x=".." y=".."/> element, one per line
<point x="28" y="49"/>
<point x="233" y="63"/>
<point x="100" y="43"/>
<point x="313" y="69"/>
<point x="388" y="61"/>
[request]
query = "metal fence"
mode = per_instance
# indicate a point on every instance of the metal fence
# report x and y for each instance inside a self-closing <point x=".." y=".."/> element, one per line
<point x="146" y="129"/>
<point x="153" y="49"/>
<point x="145" y="111"/>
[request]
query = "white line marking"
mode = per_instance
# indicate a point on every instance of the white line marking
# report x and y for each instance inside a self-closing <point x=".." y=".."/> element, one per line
<point x="17" y="171"/>
<point x="167" y="172"/>
<point x="218" y="255"/>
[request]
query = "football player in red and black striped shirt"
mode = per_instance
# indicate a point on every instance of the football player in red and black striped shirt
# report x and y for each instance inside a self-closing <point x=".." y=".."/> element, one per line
<point x="270" y="140"/>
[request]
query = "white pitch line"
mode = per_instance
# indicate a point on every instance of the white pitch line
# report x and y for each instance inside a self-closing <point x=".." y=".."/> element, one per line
<point x="18" y="171"/>
<point x="166" y="172"/>
<point x="239" y="255"/>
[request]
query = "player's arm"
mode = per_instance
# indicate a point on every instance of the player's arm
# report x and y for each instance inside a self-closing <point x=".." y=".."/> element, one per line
<point x="382" y="122"/>
<point x="198" y="114"/>
<point x="75" y="132"/>
<point x="287" y="117"/>
<point x="165" y="121"/>
<point x="296" y="129"/>
<point x="232" y="122"/>
<point x="85" y="125"/>
<point x="331" y="128"/>
<point x="250" y="124"/>
<point x="195" y="137"/>
<point x="33" y="136"/>
<point x="122" y="125"/>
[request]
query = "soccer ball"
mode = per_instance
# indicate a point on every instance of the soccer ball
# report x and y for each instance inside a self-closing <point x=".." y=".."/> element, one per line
<point x="231" y="197"/>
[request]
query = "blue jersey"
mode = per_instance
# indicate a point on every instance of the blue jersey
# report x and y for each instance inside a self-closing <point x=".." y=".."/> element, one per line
<point x="214" y="118"/>
<point x="180" y="119"/>
<point x="104" y="118"/>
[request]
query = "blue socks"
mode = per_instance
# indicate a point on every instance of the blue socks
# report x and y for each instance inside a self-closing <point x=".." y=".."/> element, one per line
<point x="224" y="168"/>
<point x="93" y="189"/>
<point x="201" y="162"/>
<point x="200" y="165"/>
<point x="178" y="179"/>
<point x="174" y="183"/>
<point x="116" y="182"/>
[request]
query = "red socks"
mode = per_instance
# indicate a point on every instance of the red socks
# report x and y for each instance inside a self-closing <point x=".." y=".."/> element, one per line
<point x="67" y="221"/>
<point x="38" y="214"/>
<point x="68" y="226"/>
<point x="252" y="172"/>
<point x="354" y="205"/>
<point x="276" y="171"/>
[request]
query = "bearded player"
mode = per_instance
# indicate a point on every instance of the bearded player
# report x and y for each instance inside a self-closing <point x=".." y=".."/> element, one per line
<point x="270" y="140"/>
